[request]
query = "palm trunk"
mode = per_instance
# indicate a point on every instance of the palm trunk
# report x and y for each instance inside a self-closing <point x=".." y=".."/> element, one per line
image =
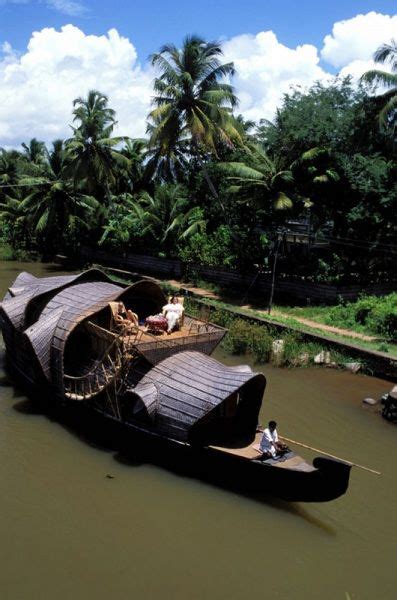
<point x="209" y="181"/>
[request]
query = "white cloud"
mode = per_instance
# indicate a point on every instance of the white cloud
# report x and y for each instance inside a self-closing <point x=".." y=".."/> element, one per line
<point x="357" y="39"/>
<point x="67" y="7"/>
<point x="266" y="69"/>
<point x="38" y="87"/>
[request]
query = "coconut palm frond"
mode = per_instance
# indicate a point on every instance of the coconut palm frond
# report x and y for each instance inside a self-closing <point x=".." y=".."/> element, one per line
<point x="282" y="202"/>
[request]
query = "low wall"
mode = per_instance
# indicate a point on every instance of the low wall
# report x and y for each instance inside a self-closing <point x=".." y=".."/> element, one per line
<point x="285" y="289"/>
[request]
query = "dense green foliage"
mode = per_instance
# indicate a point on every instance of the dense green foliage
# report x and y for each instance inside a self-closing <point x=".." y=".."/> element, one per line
<point x="209" y="187"/>
<point x="369" y="315"/>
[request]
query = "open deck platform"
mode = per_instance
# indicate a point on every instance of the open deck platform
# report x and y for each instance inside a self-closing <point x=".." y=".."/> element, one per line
<point x="251" y="452"/>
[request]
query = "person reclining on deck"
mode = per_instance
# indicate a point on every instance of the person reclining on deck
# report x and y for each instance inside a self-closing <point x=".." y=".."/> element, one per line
<point x="173" y="313"/>
<point x="270" y="444"/>
<point x="125" y="316"/>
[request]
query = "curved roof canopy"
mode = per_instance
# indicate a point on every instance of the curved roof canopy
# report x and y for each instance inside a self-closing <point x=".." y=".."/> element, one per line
<point x="46" y="310"/>
<point x="183" y="389"/>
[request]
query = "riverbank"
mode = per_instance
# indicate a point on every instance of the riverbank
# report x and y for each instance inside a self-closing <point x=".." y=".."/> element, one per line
<point x="253" y="333"/>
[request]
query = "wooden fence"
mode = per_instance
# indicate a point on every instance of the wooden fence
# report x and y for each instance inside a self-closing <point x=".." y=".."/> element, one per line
<point x="294" y="289"/>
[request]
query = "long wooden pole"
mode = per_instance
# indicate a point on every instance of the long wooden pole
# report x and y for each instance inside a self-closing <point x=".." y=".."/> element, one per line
<point x="330" y="455"/>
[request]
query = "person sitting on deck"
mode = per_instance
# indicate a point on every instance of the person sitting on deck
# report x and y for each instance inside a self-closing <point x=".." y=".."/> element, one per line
<point x="270" y="445"/>
<point x="125" y="317"/>
<point x="173" y="312"/>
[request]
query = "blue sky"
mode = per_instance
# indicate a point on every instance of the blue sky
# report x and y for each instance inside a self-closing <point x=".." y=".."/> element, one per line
<point x="151" y="24"/>
<point x="52" y="51"/>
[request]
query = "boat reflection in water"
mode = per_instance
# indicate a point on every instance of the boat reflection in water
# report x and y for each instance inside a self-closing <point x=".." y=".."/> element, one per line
<point x="162" y="392"/>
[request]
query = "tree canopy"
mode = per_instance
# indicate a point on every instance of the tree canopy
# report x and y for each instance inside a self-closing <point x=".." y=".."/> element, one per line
<point x="322" y="166"/>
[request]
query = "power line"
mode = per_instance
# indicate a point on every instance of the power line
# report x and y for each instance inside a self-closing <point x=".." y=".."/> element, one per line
<point x="26" y="184"/>
<point x="360" y="241"/>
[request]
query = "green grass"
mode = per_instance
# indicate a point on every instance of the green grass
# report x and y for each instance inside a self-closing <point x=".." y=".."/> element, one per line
<point x="289" y="321"/>
<point x="369" y="315"/>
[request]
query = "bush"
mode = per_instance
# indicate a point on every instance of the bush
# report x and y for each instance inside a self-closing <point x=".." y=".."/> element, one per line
<point x="261" y="344"/>
<point x="342" y="315"/>
<point x="371" y="313"/>
<point x="239" y="338"/>
<point x="363" y="308"/>
<point x="383" y="320"/>
<point x="220" y="317"/>
<point x="292" y="347"/>
<point x="248" y="338"/>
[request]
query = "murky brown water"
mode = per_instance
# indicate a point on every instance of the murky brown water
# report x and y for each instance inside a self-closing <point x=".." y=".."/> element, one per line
<point x="68" y="532"/>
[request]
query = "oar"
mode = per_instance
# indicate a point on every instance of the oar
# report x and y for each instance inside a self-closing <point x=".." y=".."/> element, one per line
<point x="331" y="455"/>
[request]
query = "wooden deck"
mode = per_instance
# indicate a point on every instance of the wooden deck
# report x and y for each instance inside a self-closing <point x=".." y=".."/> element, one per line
<point x="252" y="452"/>
<point x="145" y="336"/>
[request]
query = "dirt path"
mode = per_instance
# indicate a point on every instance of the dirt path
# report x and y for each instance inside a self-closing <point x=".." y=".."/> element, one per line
<point x="194" y="290"/>
<point x="329" y="328"/>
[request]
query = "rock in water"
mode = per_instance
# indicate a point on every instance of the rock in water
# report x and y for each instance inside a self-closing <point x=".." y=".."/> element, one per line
<point x="354" y="367"/>
<point x="319" y="359"/>
<point x="370" y="401"/>
<point x="278" y="352"/>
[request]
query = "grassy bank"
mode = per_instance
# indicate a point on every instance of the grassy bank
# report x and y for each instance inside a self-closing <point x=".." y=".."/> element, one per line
<point x="370" y="315"/>
<point x="249" y="338"/>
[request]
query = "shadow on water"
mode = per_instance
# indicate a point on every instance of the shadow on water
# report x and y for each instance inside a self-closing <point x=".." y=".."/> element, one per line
<point x="90" y="428"/>
<point x="293" y="508"/>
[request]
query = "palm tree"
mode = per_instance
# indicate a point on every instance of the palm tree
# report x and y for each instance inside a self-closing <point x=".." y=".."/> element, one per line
<point x="165" y="217"/>
<point x="387" y="53"/>
<point x="35" y="151"/>
<point x="91" y="152"/>
<point x="260" y="180"/>
<point x="133" y="177"/>
<point x="193" y="103"/>
<point x="53" y="210"/>
<point x="9" y="171"/>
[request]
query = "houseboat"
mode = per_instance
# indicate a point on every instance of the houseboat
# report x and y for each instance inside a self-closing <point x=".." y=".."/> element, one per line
<point x="161" y="389"/>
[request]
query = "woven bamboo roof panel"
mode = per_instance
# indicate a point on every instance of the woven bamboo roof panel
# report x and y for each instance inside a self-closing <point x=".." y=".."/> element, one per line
<point x="40" y="335"/>
<point x="27" y="290"/>
<point x="13" y="308"/>
<point x="183" y="388"/>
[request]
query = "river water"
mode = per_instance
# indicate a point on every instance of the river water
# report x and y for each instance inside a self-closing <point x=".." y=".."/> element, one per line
<point x="67" y="531"/>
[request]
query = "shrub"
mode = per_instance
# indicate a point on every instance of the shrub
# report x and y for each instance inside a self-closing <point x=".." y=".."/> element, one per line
<point x="239" y="338"/>
<point x="261" y="343"/>
<point x="342" y="315"/>
<point x="383" y="319"/>
<point x="363" y="308"/>
<point x="292" y="346"/>
<point x="220" y="317"/>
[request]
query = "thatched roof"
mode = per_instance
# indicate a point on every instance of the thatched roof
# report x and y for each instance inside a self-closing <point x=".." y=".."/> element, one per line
<point x="47" y="310"/>
<point x="182" y="389"/>
<point x="28" y="291"/>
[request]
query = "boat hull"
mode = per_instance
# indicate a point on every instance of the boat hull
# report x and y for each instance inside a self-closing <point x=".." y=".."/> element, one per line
<point x="328" y="481"/>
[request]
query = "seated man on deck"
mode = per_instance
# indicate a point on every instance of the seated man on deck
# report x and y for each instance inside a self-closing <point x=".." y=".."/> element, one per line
<point x="173" y="312"/>
<point x="270" y="445"/>
<point x="125" y="317"/>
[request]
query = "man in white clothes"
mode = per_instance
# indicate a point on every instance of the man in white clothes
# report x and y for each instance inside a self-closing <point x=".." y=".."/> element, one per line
<point x="173" y="313"/>
<point x="270" y="445"/>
